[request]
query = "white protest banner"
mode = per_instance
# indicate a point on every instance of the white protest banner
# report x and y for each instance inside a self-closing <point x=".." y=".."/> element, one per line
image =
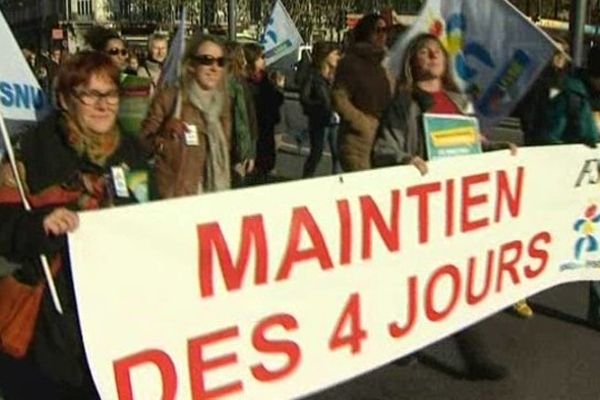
<point x="279" y="291"/>
<point x="496" y="53"/>
<point x="21" y="97"/>
<point x="281" y="37"/>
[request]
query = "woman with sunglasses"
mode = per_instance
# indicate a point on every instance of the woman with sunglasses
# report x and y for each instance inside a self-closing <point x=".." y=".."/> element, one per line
<point x="110" y="42"/>
<point x="188" y="129"/>
<point x="361" y="91"/>
<point x="77" y="159"/>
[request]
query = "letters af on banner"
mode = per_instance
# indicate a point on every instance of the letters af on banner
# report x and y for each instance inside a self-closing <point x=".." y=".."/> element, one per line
<point x="495" y="52"/>
<point x="279" y="291"/>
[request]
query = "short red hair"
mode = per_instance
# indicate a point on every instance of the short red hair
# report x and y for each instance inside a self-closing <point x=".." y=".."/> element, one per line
<point x="79" y="68"/>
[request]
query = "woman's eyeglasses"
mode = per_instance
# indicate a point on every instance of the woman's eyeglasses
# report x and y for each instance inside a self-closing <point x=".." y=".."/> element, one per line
<point x="208" y="60"/>
<point x="93" y="97"/>
<point x="116" y="51"/>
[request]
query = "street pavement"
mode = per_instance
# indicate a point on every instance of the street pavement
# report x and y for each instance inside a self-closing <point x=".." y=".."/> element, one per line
<point x="553" y="356"/>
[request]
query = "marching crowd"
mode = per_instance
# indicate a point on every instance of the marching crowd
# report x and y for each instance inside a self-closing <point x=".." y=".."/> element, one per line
<point x="216" y="131"/>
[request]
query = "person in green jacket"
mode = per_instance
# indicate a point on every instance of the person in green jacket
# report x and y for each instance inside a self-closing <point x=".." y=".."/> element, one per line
<point x="244" y="124"/>
<point x="571" y="115"/>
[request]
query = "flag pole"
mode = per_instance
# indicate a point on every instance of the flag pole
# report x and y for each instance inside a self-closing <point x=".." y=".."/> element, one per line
<point x="27" y="206"/>
<point x="232" y="19"/>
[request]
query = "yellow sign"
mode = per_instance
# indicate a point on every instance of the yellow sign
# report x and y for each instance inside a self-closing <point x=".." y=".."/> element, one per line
<point x="454" y="137"/>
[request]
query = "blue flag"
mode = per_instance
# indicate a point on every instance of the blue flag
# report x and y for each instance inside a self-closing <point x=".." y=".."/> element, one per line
<point x="22" y="101"/>
<point x="496" y="53"/>
<point x="281" y="37"/>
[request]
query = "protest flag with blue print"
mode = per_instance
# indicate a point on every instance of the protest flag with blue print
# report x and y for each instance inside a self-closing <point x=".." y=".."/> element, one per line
<point x="496" y="53"/>
<point x="22" y="101"/>
<point x="281" y="37"/>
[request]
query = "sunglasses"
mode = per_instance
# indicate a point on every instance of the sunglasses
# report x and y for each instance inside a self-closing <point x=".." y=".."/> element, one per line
<point x="208" y="60"/>
<point x="116" y="51"/>
<point x="381" y="29"/>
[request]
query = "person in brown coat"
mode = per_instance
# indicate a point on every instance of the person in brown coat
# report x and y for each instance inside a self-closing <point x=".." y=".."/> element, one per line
<point x="361" y="91"/>
<point x="188" y="129"/>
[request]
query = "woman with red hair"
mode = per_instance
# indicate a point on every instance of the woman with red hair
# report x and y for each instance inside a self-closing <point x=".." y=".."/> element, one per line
<point x="76" y="160"/>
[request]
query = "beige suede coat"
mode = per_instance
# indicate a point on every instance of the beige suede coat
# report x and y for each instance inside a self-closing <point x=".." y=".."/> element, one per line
<point x="362" y="90"/>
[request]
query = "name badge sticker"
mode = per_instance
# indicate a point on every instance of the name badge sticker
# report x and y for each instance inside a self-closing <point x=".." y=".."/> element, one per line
<point x="119" y="182"/>
<point x="191" y="135"/>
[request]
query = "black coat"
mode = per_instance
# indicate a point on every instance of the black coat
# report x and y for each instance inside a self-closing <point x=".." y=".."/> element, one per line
<point x="56" y="350"/>
<point x="315" y="97"/>
<point x="531" y="110"/>
<point x="267" y="101"/>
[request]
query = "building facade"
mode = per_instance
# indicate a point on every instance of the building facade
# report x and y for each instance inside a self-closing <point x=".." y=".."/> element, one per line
<point x="42" y="24"/>
<point x="45" y="23"/>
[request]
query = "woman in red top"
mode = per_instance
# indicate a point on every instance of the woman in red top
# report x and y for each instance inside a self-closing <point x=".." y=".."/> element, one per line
<point x="426" y="85"/>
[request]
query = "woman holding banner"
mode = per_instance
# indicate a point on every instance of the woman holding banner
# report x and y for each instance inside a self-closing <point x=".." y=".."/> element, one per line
<point x="426" y="85"/>
<point x="76" y="160"/>
<point x="188" y="129"/>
